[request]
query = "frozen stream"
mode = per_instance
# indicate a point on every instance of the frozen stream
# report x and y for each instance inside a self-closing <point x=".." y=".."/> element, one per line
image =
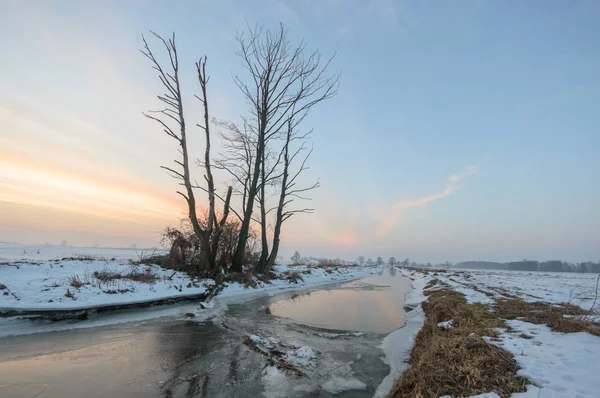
<point x="372" y="304"/>
<point x="173" y="357"/>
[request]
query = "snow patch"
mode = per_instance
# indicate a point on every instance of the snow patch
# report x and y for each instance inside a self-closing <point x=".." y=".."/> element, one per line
<point x="338" y="384"/>
<point x="302" y="357"/>
<point x="445" y="325"/>
<point x="397" y="345"/>
<point x="558" y="363"/>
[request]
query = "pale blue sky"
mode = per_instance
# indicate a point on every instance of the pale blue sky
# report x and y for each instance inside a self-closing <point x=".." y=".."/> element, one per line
<point x="502" y="95"/>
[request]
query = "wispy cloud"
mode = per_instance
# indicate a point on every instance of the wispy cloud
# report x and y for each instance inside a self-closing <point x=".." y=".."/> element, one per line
<point x="393" y="214"/>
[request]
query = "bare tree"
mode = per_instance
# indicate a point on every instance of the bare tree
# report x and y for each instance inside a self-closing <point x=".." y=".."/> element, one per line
<point x="361" y="260"/>
<point x="290" y="190"/>
<point x="173" y="114"/>
<point x="296" y="258"/>
<point x="284" y="83"/>
<point x="392" y="261"/>
<point x="379" y="261"/>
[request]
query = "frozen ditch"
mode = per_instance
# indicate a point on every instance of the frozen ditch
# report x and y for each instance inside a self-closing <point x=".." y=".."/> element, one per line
<point x="370" y="305"/>
<point x="237" y="348"/>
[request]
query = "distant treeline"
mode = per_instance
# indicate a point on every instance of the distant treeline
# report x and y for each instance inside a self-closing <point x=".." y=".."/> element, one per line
<point x="529" y="265"/>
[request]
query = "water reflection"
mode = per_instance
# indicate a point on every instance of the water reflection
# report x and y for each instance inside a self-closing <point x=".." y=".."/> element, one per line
<point x="373" y="304"/>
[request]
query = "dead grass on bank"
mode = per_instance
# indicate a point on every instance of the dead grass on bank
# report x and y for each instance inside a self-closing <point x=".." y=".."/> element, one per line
<point x="457" y="361"/>
<point x="566" y="318"/>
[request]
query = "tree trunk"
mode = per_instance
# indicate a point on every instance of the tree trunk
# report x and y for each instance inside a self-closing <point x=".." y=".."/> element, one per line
<point x="279" y="218"/>
<point x="219" y="230"/>
<point x="238" y="259"/>
<point x="264" y="254"/>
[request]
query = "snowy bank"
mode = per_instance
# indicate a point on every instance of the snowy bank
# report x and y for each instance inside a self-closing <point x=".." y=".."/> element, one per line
<point x="398" y="344"/>
<point x="311" y="276"/>
<point x="557" y="364"/>
<point x="77" y="284"/>
<point x="46" y="279"/>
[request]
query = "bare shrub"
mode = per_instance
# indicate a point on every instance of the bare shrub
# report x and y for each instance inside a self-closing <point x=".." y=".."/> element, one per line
<point x="326" y="262"/>
<point x="243" y="278"/>
<point x="293" y="276"/>
<point x="106" y="275"/>
<point x="76" y="282"/>
<point x="146" y="276"/>
<point x="184" y="247"/>
<point x="148" y="258"/>
<point x="79" y="258"/>
<point x="266" y="277"/>
<point x="117" y="291"/>
<point x="3" y="286"/>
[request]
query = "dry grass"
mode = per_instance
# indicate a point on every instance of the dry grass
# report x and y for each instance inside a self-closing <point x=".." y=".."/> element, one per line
<point x="77" y="258"/>
<point x="457" y="361"/>
<point x="294" y="276"/>
<point x="431" y="284"/>
<point x="2" y="286"/>
<point x="145" y="276"/>
<point x="106" y="275"/>
<point x="76" y="282"/>
<point x="117" y="291"/>
<point x="547" y="314"/>
<point x="243" y="278"/>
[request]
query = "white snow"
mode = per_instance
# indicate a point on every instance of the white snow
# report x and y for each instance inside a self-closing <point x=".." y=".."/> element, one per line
<point x="445" y="325"/>
<point x="312" y="276"/>
<point x="207" y="305"/>
<point x="338" y="384"/>
<point x="43" y="286"/>
<point x="563" y="364"/>
<point x="555" y="287"/>
<point x="35" y="253"/>
<point x="269" y="342"/>
<point x="37" y="279"/>
<point x="397" y="345"/>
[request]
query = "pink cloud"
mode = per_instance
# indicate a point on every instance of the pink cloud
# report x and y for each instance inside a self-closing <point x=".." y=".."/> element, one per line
<point x="394" y="213"/>
<point x="348" y="238"/>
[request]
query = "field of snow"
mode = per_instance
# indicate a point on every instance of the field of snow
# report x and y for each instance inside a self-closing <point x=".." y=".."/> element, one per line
<point x="72" y="284"/>
<point x="16" y="252"/>
<point x="560" y="365"/>
<point x="41" y="278"/>
<point x="554" y="287"/>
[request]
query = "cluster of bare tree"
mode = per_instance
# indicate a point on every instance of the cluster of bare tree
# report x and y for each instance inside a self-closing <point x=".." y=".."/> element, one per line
<point x="379" y="261"/>
<point x="264" y="154"/>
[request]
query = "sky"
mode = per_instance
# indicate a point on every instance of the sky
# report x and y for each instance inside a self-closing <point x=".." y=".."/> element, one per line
<point x="464" y="130"/>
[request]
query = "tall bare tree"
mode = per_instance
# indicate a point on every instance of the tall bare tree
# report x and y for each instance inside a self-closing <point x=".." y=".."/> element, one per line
<point x="173" y="115"/>
<point x="290" y="189"/>
<point x="284" y="83"/>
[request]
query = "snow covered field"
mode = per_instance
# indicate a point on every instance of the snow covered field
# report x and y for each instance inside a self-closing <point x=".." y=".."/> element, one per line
<point x="63" y="278"/>
<point x="559" y="364"/>
<point x="555" y="287"/>
<point x="46" y="278"/>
